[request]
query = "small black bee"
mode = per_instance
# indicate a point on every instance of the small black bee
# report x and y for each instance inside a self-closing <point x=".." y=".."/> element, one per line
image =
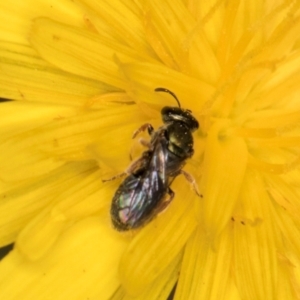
<point x="143" y="193"/>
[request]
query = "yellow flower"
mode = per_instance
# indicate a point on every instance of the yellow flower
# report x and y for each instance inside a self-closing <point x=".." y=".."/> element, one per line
<point x="83" y="75"/>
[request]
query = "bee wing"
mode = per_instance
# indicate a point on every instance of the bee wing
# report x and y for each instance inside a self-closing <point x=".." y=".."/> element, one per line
<point x="142" y="193"/>
<point x="152" y="186"/>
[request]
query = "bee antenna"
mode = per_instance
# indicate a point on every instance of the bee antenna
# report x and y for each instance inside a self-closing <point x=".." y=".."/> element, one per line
<point x="160" y="89"/>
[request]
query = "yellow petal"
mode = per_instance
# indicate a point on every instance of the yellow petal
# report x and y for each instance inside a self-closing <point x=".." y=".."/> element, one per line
<point x="225" y="163"/>
<point x="41" y="233"/>
<point x="160" y="289"/>
<point x="78" y="200"/>
<point x="163" y="285"/>
<point x="289" y="228"/>
<point x="85" y="257"/>
<point x="210" y="17"/>
<point x="141" y="74"/>
<point x="277" y="89"/>
<point x="156" y="246"/>
<point x="288" y="277"/>
<point x="25" y="76"/>
<point x="274" y="118"/>
<point x="285" y="194"/>
<point x="288" y="253"/>
<point x="77" y="51"/>
<point x="21" y="201"/>
<point x="206" y="270"/>
<point x="281" y="36"/>
<point x="30" y="115"/>
<point x="16" y="16"/>
<point x="45" y="148"/>
<point x="121" y="20"/>
<point x="255" y="256"/>
<point x="180" y="40"/>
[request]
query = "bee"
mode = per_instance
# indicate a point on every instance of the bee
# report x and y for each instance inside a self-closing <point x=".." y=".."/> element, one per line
<point x="146" y="190"/>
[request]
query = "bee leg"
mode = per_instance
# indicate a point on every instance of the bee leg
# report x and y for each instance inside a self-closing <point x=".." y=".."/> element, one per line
<point x="135" y="165"/>
<point x="115" y="177"/>
<point x="142" y="141"/>
<point x="191" y="180"/>
<point x="145" y="143"/>
<point x="147" y="126"/>
<point x="166" y="202"/>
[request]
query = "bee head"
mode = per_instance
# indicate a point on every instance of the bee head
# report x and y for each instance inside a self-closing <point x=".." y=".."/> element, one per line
<point x="177" y="114"/>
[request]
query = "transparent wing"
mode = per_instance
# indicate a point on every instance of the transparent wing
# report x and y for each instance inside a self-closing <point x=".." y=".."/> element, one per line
<point x="137" y="197"/>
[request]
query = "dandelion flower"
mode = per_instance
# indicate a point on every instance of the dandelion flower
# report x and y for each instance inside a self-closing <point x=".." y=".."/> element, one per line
<point x="82" y="76"/>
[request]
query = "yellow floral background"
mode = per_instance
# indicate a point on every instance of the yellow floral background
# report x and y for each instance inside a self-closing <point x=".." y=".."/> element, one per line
<point x="81" y="76"/>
